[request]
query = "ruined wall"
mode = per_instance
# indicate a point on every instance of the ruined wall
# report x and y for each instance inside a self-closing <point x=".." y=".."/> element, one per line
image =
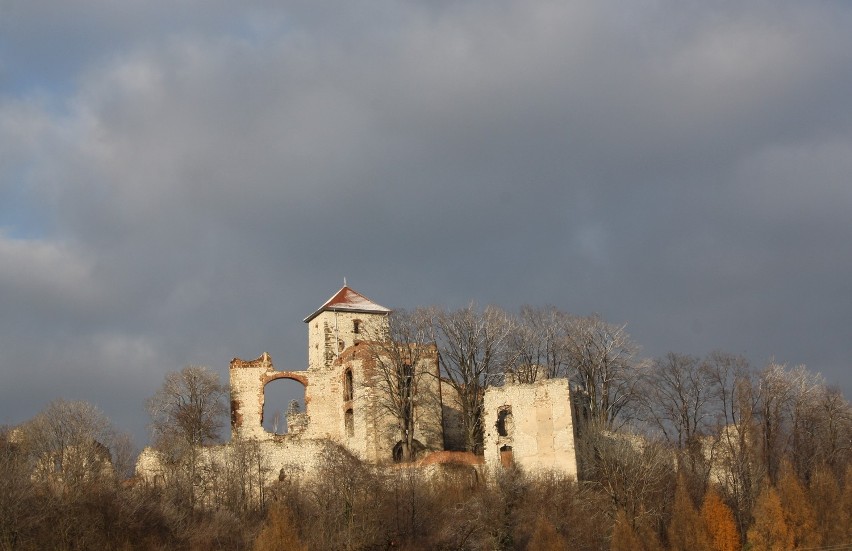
<point x="247" y="382"/>
<point x="531" y="425"/>
<point x="429" y="425"/>
<point x="344" y="403"/>
<point x="329" y="333"/>
<point x="276" y="458"/>
<point x="454" y="438"/>
<point x="324" y="402"/>
<point x="351" y="404"/>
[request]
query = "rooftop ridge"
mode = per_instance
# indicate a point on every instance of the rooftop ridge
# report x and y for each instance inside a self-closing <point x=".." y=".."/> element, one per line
<point x="349" y="300"/>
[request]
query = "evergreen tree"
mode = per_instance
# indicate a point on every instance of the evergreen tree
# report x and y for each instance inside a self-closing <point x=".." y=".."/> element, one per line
<point x="828" y="510"/>
<point x="686" y="531"/>
<point x="769" y="531"/>
<point x="627" y="536"/>
<point x="624" y="536"/>
<point x="798" y="512"/>
<point x="545" y="537"/>
<point x="719" y="522"/>
<point x="279" y="532"/>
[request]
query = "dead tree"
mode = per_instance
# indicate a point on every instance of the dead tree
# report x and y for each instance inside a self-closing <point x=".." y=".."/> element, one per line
<point x="537" y="344"/>
<point x="604" y="362"/>
<point x="404" y="363"/>
<point x="677" y="401"/>
<point x="473" y="353"/>
<point x="187" y="412"/>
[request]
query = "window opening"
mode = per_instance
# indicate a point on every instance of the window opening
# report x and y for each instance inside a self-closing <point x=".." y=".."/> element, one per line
<point x="349" y="421"/>
<point x="347" y="385"/>
<point x="284" y="406"/>
<point x="405" y="387"/>
<point x="505" y="422"/>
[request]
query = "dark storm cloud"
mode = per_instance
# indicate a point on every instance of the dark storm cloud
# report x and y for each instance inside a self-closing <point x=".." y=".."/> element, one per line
<point x="184" y="187"/>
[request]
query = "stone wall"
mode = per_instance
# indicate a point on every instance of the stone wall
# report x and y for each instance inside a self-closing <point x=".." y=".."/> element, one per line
<point x="530" y="425"/>
<point x="331" y="332"/>
<point x="276" y="458"/>
<point x="451" y="412"/>
<point x="363" y="422"/>
<point x="345" y="400"/>
<point x="247" y="382"/>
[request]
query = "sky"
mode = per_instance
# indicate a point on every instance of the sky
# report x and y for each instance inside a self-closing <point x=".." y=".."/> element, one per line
<point x="181" y="183"/>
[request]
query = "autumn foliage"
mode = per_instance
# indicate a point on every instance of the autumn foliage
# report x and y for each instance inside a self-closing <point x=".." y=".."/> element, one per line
<point x="720" y="457"/>
<point x="686" y="530"/>
<point x="719" y="524"/>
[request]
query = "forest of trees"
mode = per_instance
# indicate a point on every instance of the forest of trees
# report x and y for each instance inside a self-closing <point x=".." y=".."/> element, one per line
<point x="678" y="453"/>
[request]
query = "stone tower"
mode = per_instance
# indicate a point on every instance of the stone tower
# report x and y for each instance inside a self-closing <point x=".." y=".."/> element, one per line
<point x="340" y="398"/>
<point x="346" y="385"/>
<point x="344" y="319"/>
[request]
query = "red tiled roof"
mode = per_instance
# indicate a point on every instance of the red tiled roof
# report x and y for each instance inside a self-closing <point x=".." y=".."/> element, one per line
<point x="347" y="300"/>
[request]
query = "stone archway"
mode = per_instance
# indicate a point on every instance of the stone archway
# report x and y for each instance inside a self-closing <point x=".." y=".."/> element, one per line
<point x="284" y="406"/>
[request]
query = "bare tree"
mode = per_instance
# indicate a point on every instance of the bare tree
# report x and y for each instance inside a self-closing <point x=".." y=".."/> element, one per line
<point x="677" y="398"/>
<point x="830" y="437"/>
<point x="794" y="406"/>
<point x="774" y="394"/>
<point x="403" y="359"/>
<point x="344" y="503"/>
<point x="74" y="445"/>
<point x="472" y="350"/>
<point x="603" y="361"/>
<point x="537" y="344"/>
<point x="240" y="477"/>
<point x="634" y="472"/>
<point x="187" y="412"/>
<point x="735" y="450"/>
<point x="23" y="507"/>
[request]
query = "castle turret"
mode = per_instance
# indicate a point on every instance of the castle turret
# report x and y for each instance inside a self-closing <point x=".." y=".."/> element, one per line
<point x="247" y="382"/>
<point x="344" y="319"/>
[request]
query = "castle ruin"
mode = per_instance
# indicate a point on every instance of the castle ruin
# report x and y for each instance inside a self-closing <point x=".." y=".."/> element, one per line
<point x="528" y="425"/>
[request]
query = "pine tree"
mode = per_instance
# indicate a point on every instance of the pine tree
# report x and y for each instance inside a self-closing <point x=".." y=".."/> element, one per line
<point x="825" y="497"/>
<point x="686" y="531"/>
<point x="624" y="536"/>
<point x="798" y="512"/>
<point x="279" y="532"/>
<point x="545" y="537"/>
<point x="769" y="531"/>
<point x="719" y="522"/>
<point x="847" y="503"/>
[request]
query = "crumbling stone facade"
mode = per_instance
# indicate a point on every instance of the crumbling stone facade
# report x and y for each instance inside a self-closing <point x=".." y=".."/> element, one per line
<point x="346" y="395"/>
<point x="343" y="391"/>
<point x="248" y="380"/>
<point x="532" y="426"/>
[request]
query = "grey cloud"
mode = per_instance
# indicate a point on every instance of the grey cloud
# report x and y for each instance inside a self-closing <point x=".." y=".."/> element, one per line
<point x="209" y="182"/>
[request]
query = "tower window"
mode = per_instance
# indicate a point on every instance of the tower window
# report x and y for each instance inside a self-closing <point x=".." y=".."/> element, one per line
<point x="356" y="326"/>
<point x="349" y="422"/>
<point x="347" y="385"/>
<point x="505" y="422"/>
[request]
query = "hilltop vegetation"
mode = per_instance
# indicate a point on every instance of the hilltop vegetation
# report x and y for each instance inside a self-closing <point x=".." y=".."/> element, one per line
<point x="678" y="452"/>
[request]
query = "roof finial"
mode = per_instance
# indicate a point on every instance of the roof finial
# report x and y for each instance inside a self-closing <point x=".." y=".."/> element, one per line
<point x="344" y="281"/>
